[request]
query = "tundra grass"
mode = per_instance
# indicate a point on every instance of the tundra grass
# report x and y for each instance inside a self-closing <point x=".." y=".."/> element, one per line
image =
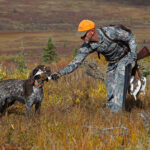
<point x="73" y="117"/>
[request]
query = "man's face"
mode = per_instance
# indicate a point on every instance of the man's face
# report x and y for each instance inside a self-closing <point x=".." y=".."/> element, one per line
<point x="87" y="36"/>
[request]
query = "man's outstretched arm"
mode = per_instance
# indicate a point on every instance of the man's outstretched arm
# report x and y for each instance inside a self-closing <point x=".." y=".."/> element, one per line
<point x="83" y="52"/>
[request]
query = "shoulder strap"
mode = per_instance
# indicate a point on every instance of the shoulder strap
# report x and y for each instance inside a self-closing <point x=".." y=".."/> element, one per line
<point x="107" y="35"/>
<point x="119" y="42"/>
<point x="124" y="28"/>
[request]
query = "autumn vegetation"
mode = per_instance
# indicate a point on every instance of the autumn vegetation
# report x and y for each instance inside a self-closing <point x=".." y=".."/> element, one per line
<point x="73" y="114"/>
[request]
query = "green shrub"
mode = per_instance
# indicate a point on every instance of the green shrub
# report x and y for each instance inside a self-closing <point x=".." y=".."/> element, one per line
<point x="144" y="69"/>
<point x="75" y="51"/>
<point x="49" y="52"/>
<point x="14" y="10"/>
<point x="19" y="60"/>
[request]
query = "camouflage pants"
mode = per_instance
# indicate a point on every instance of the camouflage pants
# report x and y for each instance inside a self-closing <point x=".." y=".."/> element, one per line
<point x="117" y="77"/>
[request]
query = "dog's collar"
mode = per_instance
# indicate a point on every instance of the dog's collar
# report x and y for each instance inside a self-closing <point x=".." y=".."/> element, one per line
<point x="37" y="84"/>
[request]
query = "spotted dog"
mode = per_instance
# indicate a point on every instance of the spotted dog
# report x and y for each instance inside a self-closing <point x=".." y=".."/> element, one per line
<point x="137" y="85"/>
<point x="27" y="91"/>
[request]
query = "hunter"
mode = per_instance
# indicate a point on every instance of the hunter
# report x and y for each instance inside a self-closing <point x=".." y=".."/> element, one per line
<point x="118" y="45"/>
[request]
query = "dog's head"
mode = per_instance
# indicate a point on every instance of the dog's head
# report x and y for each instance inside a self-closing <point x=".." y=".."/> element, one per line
<point x="40" y="73"/>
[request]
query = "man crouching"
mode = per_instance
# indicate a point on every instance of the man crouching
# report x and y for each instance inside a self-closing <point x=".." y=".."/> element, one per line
<point x="118" y="45"/>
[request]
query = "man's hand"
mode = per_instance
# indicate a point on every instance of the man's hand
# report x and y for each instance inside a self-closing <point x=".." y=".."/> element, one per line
<point x="55" y="76"/>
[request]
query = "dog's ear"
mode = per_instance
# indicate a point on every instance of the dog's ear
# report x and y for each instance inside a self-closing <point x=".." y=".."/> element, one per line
<point x="31" y="78"/>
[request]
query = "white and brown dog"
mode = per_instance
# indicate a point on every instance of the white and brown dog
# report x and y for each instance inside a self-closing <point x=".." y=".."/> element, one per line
<point x="137" y="85"/>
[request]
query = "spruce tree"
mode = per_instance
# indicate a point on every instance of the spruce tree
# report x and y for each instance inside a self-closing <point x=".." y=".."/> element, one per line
<point x="49" y="52"/>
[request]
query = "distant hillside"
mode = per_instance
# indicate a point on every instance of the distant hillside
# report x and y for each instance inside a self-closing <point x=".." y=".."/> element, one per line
<point x="45" y="15"/>
<point x="130" y="2"/>
<point x="31" y="22"/>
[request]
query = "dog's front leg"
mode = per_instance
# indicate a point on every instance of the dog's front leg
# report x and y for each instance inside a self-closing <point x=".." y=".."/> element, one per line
<point x="1" y="110"/>
<point x="28" y="108"/>
<point x="37" y="108"/>
<point x="3" y="106"/>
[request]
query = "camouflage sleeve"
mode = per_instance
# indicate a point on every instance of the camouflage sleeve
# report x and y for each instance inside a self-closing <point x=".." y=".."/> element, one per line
<point x="83" y="52"/>
<point x="123" y="35"/>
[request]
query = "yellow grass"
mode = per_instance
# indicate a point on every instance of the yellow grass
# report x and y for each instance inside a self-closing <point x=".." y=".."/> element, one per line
<point x="73" y="117"/>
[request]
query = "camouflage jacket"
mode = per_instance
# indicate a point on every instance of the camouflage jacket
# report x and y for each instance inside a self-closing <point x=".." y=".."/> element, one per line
<point x="109" y="49"/>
